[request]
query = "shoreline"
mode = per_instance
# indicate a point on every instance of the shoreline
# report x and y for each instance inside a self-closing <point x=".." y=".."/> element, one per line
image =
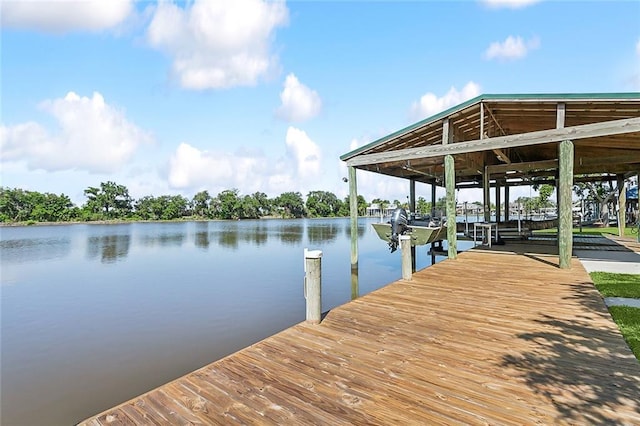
<point x="121" y="221"/>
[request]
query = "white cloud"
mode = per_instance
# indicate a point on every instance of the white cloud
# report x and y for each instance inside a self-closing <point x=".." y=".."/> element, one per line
<point x="195" y="169"/>
<point x="638" y="48"/>
<point x="218" y="44"/>
<point x="59" y="16"/>
<point x="299" y="103"/>
<point x="91" y="136"/>
<point x="430" y="104"/>
<point x="511" y="48"/>
<point x="304" y="152"/>
<point x="510" y="4"/>
<point x="190" y="167"/>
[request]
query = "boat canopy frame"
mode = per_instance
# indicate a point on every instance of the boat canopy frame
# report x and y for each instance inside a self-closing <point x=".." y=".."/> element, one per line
<point x="496" y="140"/>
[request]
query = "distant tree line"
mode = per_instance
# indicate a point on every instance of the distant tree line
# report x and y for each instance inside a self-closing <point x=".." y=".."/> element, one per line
<point x="111" y="201"/>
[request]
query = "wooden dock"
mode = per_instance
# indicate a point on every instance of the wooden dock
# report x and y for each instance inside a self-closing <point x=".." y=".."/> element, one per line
<point x="490" y="338"/>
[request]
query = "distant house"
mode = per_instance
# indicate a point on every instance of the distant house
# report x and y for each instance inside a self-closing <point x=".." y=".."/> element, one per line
<point x="375" y="210"/>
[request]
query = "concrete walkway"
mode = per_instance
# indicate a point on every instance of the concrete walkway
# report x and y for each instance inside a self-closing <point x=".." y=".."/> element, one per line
<point x="619" y="255"/>
<point x="622" y="301"/>
<point x="624" y="260"/>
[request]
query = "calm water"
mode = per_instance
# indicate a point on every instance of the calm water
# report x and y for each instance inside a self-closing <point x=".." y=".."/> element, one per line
<point x="93" y="315"/>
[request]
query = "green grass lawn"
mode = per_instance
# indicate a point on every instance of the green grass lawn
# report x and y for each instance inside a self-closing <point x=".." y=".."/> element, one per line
<point x="617" y="285"/>
<point x="627" y="318"/>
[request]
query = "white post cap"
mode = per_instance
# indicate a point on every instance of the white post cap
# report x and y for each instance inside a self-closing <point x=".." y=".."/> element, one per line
<point x="312" y="254"/>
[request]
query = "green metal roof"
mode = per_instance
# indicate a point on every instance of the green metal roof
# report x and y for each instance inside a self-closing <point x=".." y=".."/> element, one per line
<point x="556" y="97"/>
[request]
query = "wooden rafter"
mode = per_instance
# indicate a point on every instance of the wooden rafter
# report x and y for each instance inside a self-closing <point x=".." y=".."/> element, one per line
<point x="584" y="131"/>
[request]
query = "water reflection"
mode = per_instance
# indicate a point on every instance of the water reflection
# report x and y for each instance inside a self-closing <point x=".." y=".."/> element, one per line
<point x="290" y="234"/>
<point x="228" y="238"/>
<point x="362" y="228"/>
<point x="110" y="248"/>
<point x="202" y="235"/>
<point x="34" y="250"/>
<point x="162" y="240"/>
<point x="82" y="336"/>
<point x="256" y="234"/>
<point x="323" y="232"/>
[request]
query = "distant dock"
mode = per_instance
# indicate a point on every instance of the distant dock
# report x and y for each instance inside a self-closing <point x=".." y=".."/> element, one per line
<point x="490" y="338"/>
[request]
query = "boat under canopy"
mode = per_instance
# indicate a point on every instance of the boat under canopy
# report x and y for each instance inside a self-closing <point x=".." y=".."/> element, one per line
<point x="419" y="231"/>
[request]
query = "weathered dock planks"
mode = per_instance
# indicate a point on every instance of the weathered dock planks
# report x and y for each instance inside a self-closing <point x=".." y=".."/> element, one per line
<point x="489" y="338"/>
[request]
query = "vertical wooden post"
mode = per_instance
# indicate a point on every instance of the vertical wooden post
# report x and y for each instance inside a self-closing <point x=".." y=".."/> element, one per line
<point x="412" y="209"/>
<point x="565" y="217"/>
<point x="622" y="205"/>
<point x="558" y="195"/>
<point x="313" y="284"/>
<point x="433" y="214"/>
<point x="486" y="196"/>
<point x="481" y="136"/>
<point x="498" y="210"/>
<point x="412" y="196"/>
<point x="405" y="248"/>
<point x="565" y="186"/>
<point x="560" y="116"/>
<point x="506" y="202"/>
<point x="450" y="184"/>
<point x="353" y="212"/>
<point x="355" y="292"/>
<point x="433" y="198"/>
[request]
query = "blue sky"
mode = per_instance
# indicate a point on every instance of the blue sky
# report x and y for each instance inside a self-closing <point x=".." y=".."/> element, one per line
<point x="174" y="98"/>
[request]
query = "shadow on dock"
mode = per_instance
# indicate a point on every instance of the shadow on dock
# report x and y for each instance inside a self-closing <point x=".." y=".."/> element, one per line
<point x="493" y="337"/>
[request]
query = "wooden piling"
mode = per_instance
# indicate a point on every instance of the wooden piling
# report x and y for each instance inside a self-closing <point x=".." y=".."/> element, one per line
<point x="405" y="248"/>
<point x="565" y="217"/>
<point x="313" y="284"/>
<point x="353" y="213"/>
<point x="450" y="186"/>
<point x="565" y="188"/>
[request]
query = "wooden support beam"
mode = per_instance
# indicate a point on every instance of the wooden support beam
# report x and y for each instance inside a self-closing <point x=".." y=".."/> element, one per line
<point x="506" y="202"/>
<point x="612" y="168"/>
<point x="524" y="167"/>
<point x="502" y="156"/>
<point x="433" y="199"/>
<point x="450" y="182"/>
<point x="412" y="209"/>
<point x="450" y="185"/>
<point x="493" y="117"/>
<point x="565" y="214"/>
<point x="498" y="210"/>
<point x="593" y="130"/>
<point x="565" y="187"/>
<point x="630" y="157"/>
<point x="353" y="212"/>
<point x="481" y="120"/>
<point x="486" y="196"/>
<point x="412" y="195"/>
<point x="622" y="204"/>
<point x="411" y="169"/>
<point x="561" y="112"/>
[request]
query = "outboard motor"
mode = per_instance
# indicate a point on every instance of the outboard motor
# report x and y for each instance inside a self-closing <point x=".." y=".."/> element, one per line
<point x="399" y="225"/>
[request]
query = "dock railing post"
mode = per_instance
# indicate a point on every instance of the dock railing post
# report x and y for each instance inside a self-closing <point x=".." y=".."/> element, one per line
<point x="405" y="248"/>
<point x="313" y="284"/>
